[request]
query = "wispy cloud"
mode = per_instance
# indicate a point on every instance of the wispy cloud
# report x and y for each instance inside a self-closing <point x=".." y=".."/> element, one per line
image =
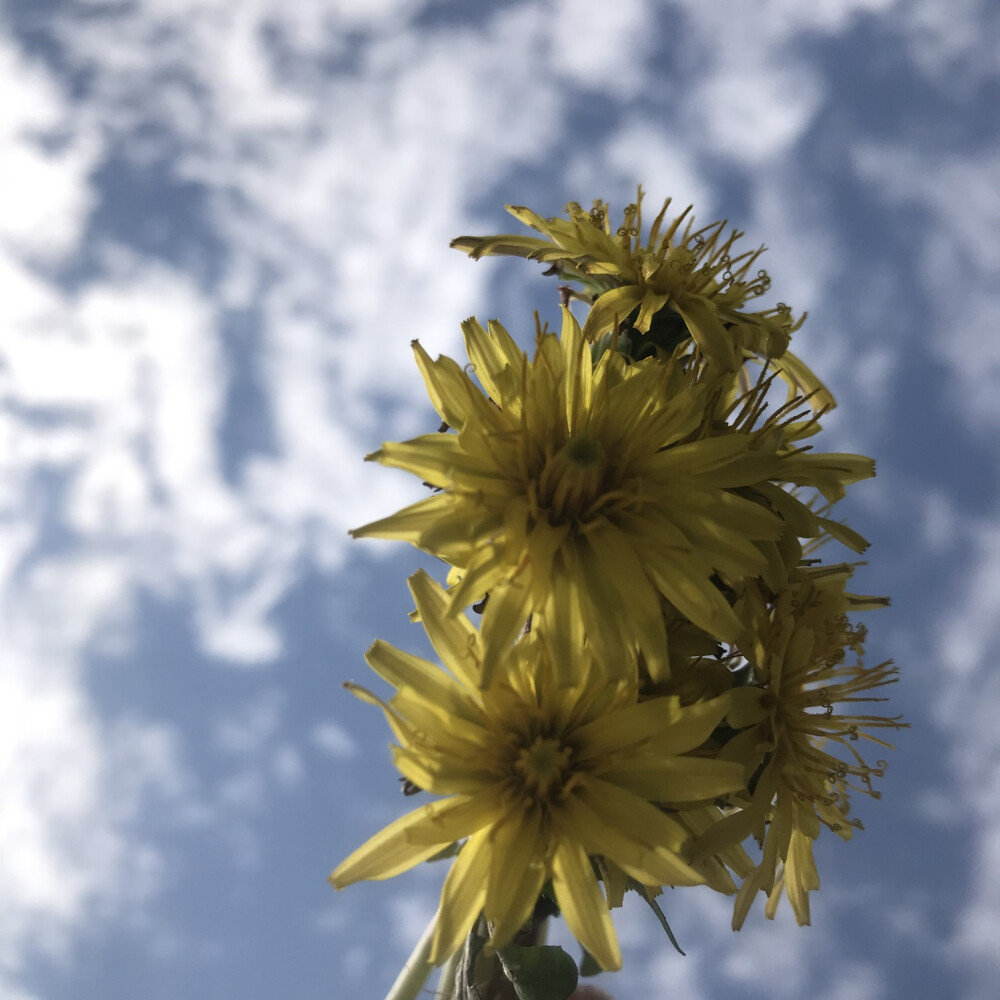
<point x="297" y="171"/>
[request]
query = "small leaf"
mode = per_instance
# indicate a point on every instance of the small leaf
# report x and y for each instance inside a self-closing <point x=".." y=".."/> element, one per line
<point x="588" y="965"/>
<point x="544" y="972"/>
<point x="654" y="906"/>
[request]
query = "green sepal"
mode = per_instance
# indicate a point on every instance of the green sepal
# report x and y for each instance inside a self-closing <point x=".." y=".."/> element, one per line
<point x="588" y="965"/>
<point x="638" y="887"/>
<point x="446" y="852"/>
<point x="542" y="972"/>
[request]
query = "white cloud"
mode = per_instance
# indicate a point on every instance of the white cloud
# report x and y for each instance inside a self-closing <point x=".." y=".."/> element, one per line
<point x="287" y="766"/>
<point x="593" y="59"/>
<point x="776" y="21"/>
<point x="640" y="152"/>
<point x="754" y="114"/>
<point x="130" y="370"/>
<point x="954" y="44"/>
<point x="45" y="197"/>
<point x="856" y="981"/>
<point x="959" y="258"/>
<point x="333" y="193"/>
<point x="12" y="991"/>
<point x="751" y="91"/>
<point x="247" y="730"/>
<point x="410" y="914"/>
<point x="332" y="738"/>
<point x="939" y="520"/>
<point x="966" y="701"/>
<point x="73" y="792"/>
<point x="133" y="369"/>
<point x="251" y="735"/>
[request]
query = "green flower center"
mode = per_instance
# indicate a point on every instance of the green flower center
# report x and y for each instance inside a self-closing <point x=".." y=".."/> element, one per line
<point x="573" y="479"/>
<point x="584" y="451"/>
<point x="542" y="766"/>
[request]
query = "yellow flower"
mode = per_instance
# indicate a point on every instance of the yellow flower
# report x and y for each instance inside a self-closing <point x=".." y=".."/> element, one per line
<point x="691" y="272"/>
<point x="583" y="492"/>
<point x="800" y="742"/>
<point x="539" y="776"/>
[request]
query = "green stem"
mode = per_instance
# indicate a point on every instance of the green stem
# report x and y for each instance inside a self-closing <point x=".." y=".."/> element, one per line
<point x="447" y="986"/>
<point x="416" y="969"/>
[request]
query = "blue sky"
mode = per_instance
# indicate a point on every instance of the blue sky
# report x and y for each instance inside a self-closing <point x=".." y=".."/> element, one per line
<point x="220" y="227"/>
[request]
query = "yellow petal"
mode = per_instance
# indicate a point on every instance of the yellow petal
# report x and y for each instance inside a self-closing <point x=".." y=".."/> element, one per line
<point x="843" y="534"/>
<point x="578" y="378"/>
<point x="800" y="875"/>
<point x="610" y="308"/>
<point x="563" y="632"/>
<point x="727" y="832"/>
<point x="629" y="830"/>
<point x="440" y="774"/>
<point x="510" y="245"/>
<point x="745" y="897"/>
<point x="432" y="457"/>
<point x="694" y="595"/>
<point x="393" y="850"/>
<point x="410" y="523"/>
<point x="708" y="332"/>
<point x="827" y="472"/>
<point x="746" y="708"/>
<point x="615" y="881"/>
<point x="465" y="815"/>
<point x="454" y="637"/>
<point x="614" y="557"/>
<point x="503" y="618"/>
<point x="678" y="779"/>
<point x="801" y="378"/>
<point x="659" y="722"/>
<point x="404" y="670"/>
<point x="583" y="905"/>
<point x="485" y="571"/>
<point x="462" y="896"/>
<point x="484" y="356"/>
<point x="543" y="541"/>
<point x="514" y="884"/>
<point x="447" y="386"/>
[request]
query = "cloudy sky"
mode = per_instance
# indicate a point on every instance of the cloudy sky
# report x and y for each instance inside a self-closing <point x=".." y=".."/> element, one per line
<point x="221" y="224"/>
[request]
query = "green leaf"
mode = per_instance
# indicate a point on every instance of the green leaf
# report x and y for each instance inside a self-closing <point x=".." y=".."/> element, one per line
<point x="588" y="965"/>
<point x="544" y="972"/>
<point x="654" y="906"/>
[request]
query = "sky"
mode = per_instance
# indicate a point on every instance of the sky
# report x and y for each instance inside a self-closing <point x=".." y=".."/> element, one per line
<point x="221" y="225"/>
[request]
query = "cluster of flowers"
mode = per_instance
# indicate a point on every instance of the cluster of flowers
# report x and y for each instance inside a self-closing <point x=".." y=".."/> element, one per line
<point x="664" y="674"/>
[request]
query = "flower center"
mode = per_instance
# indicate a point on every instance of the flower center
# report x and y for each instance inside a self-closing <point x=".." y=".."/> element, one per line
<point x="542" y="766"/>
<point x="572" y="479"/>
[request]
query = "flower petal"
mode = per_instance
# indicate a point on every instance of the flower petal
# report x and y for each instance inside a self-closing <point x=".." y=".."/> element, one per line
<point x="462" y="896"/>
<point x="678" y="779"/>
<point x="455" y="638"/>
<point x="583" y="905"/>
<point x="515" y="882"/>
<point x="394" y="849"/>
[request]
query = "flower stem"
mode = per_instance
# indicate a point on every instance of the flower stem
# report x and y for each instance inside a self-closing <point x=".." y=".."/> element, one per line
<point x="448" y="986"/>
<point x="416" y="969"/>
